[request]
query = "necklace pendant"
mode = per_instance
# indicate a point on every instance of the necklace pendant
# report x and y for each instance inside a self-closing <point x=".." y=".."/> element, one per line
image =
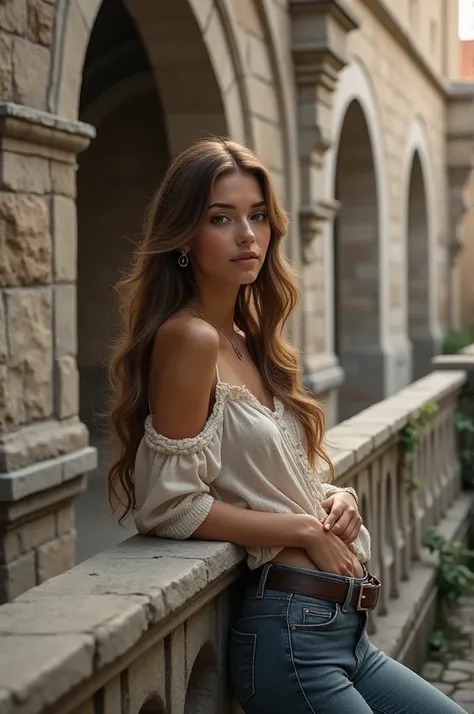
<point x="238" y="353"/>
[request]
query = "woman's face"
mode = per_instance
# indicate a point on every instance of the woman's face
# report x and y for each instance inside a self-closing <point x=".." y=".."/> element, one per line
<point x="232" y="239"/>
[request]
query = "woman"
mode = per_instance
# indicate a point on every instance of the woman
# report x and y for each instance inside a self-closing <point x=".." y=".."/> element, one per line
<point x="219" y="441"/>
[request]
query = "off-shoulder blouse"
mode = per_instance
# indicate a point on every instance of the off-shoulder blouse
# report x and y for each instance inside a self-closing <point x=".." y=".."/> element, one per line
<point x="247" y="455"/>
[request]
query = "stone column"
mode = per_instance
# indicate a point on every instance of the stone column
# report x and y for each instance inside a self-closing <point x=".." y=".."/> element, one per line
<point x="44" y="450"/>
<point x="319" y="34"/>
<point x="460" y="155"/>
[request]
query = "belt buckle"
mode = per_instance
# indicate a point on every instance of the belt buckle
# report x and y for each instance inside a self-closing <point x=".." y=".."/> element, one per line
<point x="368" y="586"/>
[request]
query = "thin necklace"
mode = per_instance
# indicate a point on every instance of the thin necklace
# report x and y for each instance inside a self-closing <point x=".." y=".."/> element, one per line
<point x="235" y="346"/>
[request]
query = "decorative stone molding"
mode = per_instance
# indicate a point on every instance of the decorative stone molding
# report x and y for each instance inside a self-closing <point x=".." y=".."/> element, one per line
<point x="312" y="221"/>
<point x="460" y="155"/>
<point x="319" y="32"/>
<point x="37" y="532"/>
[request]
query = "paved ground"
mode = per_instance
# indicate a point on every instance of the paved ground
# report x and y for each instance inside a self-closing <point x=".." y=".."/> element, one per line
<point x="453" y="672"/>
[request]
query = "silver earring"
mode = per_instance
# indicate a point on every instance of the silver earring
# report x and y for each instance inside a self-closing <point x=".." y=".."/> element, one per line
<point x="183" y="260"/>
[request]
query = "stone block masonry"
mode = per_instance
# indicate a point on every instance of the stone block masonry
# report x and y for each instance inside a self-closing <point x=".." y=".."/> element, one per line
<point x="37" y="522"/>
<point x="44" y="452"/>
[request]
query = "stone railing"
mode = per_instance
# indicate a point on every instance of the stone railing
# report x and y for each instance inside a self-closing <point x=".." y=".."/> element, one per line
<point x="142" y="628"/>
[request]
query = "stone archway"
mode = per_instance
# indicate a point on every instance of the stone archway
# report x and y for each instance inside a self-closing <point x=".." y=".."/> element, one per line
<point x="356" y="265"/>
<point x="149" y="89"/>
<point x="420" y="253"/>
<point x="418" y="316"/>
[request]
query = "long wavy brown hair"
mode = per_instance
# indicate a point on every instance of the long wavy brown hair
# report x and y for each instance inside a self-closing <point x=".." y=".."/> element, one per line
<point x="156" y="287"/>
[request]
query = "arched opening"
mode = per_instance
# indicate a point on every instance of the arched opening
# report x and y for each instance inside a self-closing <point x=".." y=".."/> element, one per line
<point x="154" y="705"/>
<point x="418" y="301"/>
<point x="356" y="264"/>
<point x="149" y="89"/>
<point x="202" y="693"/>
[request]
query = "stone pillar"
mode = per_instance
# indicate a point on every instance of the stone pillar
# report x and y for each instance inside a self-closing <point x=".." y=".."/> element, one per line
<point x="44" y="450"/>
<point x="460" y="155"/>
<point x="319" y="33"/>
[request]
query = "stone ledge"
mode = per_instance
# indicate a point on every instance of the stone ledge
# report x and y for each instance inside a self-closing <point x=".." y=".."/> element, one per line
<point x="121" y="594"/>
<point x="16" y="485"/>
<point x="351" y="440"/>
<point x="81" y="620"/>
<point x="51" y="121"/>
<point x="38" y="127"/>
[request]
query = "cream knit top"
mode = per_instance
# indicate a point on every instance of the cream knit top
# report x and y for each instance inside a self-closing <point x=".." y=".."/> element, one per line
<point x="246" y="455"/>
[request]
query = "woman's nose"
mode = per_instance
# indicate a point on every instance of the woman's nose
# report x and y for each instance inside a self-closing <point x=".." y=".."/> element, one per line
<point x="246" y="234"/>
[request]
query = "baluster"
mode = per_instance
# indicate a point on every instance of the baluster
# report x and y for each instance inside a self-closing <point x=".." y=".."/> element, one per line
<point x="406" y="525"/>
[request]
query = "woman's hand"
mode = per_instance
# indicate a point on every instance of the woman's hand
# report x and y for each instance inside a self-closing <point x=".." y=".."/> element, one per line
<point x="331" y="555"/>
<point x="343" y="517"/>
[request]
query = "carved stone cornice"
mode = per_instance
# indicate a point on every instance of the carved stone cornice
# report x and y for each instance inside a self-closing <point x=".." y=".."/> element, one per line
<point x="312" y="221"/>
<point x="33" y="126"/>
<point x="319" y="30"/>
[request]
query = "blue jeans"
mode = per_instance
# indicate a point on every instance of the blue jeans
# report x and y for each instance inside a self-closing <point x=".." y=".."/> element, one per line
<point x="295" y="654"/>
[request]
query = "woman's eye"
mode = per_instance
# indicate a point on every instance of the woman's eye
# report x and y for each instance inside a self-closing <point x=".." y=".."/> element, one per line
<point x="219" y="218"/>
<point x="260" y="216"/>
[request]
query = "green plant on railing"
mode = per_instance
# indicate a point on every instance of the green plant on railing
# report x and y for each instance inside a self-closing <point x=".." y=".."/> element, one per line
<point x="438" y="642"/>
<point x="457" y="339"/>
<point x="455" y="575"/>
<point x="410" y="439"/>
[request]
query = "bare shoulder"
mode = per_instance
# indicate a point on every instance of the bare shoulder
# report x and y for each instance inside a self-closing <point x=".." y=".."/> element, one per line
<point x="188" y="333"/>
<point x="182" y="375"/>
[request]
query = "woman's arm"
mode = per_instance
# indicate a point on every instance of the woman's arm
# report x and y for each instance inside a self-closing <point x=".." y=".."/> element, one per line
<point x="256" y="528"/>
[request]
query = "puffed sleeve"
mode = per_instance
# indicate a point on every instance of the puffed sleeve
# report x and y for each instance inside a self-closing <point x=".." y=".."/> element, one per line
<point x="330" y="490"/>
<point x="173" y="480"/>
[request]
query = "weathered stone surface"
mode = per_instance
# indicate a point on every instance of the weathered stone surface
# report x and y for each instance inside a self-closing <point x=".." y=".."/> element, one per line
<point x="65" y="320"/>
<point x="65" y="239"/>
<point x="3" y="331"/>
<point x="40" y="22"/>
<point x="25" y="240"/>
<point x="462" y="666"/>
<point x="26" y="174"/>
<point x="65" y="520"/>
<point x="63" y="178"/>
<point x="217" y="557"/>
<point x="464" y="696"/>
<point x="56" y="557"/>
<point x="13" y="16"/>
<point x="12" y="407"/>
<point x="30" y="72"/>
<point x="16" y="577"/>
<point x="116" y="622"/>
<point x="432" y="671"/>
<point x="67" y="387"/>
<point x="451" y="676"/>
<point x="38" y="676"/>
<point x="6" y="61"/>
<point x="168" y="583"/>
<point x="29" y="320"/>
<point x="41" y="441"/>
<point x="37" y="532"/>
<point x="9" y="546"/>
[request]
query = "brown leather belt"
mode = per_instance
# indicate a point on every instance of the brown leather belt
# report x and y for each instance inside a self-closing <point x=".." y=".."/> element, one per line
<point x="364" y="595"/>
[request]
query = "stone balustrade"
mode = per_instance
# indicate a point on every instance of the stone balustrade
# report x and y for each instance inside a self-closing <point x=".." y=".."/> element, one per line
<point x="142" y="628"/>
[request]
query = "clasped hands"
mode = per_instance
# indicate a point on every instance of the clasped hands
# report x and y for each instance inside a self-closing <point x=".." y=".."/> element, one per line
<point x="343" y="518"/>
<point x="330" y="551"/>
